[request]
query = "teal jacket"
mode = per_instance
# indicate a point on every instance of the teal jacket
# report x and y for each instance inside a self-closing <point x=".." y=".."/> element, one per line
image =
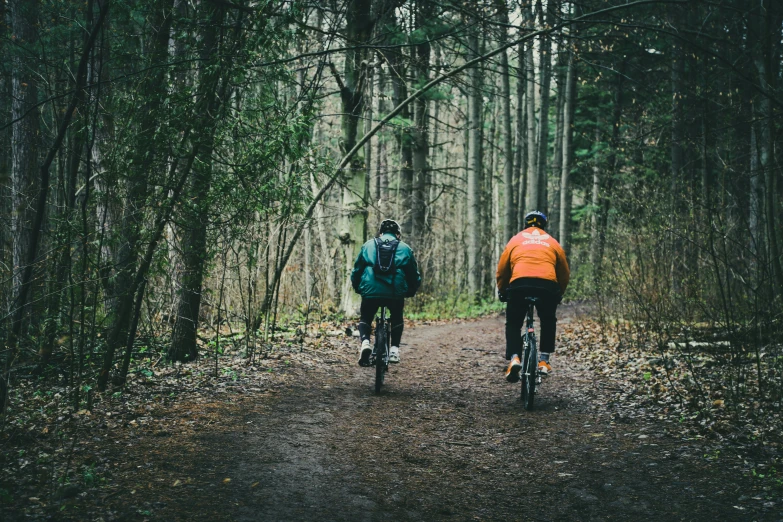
<point x="403" y="281"/>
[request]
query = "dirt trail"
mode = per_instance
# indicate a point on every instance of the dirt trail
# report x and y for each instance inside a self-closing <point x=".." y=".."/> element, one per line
<point x="447" y="440"/>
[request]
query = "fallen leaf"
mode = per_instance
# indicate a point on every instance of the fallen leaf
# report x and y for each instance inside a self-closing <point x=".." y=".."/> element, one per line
<point x="176" y="483"/>
<point x="226" y="480"/>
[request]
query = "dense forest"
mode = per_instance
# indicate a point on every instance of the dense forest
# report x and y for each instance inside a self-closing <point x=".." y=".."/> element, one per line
<point x="170" y="166"/>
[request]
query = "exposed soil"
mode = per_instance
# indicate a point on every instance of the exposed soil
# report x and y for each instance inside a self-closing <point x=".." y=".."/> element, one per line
<point x="447" y="439"/>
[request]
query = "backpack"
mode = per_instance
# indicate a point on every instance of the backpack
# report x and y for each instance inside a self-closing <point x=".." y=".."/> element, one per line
<point x="384" y="255"/>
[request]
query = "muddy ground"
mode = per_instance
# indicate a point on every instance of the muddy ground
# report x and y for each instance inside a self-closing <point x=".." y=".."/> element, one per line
<point x="447" y="439"/>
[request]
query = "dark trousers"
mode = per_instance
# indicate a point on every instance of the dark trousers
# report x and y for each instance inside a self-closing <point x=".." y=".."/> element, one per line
<point x="516" y="309"/>
<point x="368" y="310"/>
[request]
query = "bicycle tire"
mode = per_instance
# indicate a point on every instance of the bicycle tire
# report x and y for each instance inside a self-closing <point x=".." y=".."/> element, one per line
<point x="380" y="358"/>
<point x="529" y="369"/>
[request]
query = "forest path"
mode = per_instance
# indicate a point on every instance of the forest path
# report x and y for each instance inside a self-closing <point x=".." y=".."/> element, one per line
<point x="448" y="439"/>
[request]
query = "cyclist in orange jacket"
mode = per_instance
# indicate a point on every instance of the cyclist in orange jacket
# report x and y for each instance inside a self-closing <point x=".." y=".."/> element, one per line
<point x="533" y="264"/>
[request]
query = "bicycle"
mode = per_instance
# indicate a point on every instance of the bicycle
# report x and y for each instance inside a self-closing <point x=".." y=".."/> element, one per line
<point x="380" y="352"/>
<point x="530" y="375"/>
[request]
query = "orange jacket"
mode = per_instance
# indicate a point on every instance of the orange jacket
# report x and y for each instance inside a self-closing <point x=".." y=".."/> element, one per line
<point x="533" y="253"/>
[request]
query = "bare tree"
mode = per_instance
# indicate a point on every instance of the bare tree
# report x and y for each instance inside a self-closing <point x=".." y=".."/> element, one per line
<point x="475" y="123"/>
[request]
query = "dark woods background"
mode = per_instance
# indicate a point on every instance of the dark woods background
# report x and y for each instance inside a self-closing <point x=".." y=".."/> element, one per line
<point x="171" y="166"/>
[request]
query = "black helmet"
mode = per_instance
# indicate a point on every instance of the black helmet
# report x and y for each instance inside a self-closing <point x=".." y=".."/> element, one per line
<point x="389" y="225"/>
<point x="535" y="219"/>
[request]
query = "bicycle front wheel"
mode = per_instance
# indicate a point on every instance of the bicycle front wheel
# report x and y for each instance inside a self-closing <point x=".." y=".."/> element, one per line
<point x="381" y="358"/>
<point x="529" y="368"/>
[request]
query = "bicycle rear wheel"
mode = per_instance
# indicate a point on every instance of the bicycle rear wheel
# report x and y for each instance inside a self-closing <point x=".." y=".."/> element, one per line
<point x="381" y="357"/>
<point x="529" y="369"/>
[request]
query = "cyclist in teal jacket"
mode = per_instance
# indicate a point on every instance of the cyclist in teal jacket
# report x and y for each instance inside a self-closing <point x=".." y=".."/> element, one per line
<point x="384" y="273"/>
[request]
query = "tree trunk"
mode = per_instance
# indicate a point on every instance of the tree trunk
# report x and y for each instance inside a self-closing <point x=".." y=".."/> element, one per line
<point x="381" y="186"/>
<point x="612" y="159"/>
<point x="557" y="151"/>
<point x="196" y="211"/>
<point x="404" y="142"/>
<point x="353" y="229"/>
<point x="178" y="176"/>
<point x="568" y="130"/>
<point x="595" y="194"/>
<point x="25" y="137"/>
<point x="755" y="212"/>
<point x="420" y="140"/>
<point x="532" y="195"/>
<point x="769" y="35"/>
<point x="676" y="151"/>
<point x="145" y="153"/>
<point x="6" y="95"/>
<point x="510" y="214"/>
<point x="545" y="64"/>
<point x="474" y="172"/>
<point x="521" y="142"/>
<point x="40" y="204"/>
<point x="368" y="147"/>
<point x="325" y="258"/>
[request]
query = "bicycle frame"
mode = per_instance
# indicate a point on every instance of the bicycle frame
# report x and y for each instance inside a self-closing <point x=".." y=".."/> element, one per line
<point x="382" y="343"/>
<point x="531" y="377"/>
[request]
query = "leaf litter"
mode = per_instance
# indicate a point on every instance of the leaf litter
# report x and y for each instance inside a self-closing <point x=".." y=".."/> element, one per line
<point x="114" y="462"/>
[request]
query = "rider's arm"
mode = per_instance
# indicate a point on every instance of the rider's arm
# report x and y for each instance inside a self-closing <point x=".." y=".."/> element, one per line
<point x="412" y="275"/>
<point x="562" y="271"/>
<point x="503" y="275"/>
<point x="358" y="268"/>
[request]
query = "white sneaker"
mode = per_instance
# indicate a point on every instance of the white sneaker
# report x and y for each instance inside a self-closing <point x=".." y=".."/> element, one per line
<point x="394" y="354"/>
<point x="364" y="353"/>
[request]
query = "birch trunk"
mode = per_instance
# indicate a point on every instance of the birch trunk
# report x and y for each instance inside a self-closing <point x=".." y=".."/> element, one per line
<point x="568" y="132"/>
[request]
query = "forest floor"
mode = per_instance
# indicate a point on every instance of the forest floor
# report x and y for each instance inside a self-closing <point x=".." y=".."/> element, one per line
<point x="302" y="436"/>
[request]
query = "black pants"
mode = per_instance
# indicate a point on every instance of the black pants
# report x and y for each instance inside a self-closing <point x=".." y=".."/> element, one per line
<point x="516" y="309"/>
<point x="368" y="310"/>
